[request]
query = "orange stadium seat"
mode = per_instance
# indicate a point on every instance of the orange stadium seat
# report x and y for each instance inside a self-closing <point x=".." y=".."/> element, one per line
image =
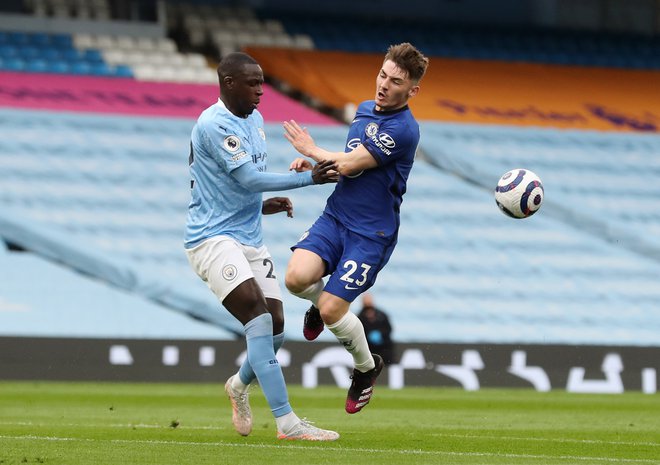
<point x="481" y="91"/>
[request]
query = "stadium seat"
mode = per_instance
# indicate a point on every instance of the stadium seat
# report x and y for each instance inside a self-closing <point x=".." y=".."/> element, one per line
<point x="447" y="40"/>
<point x="47" y="307"/>
<point x="462" y="271"/>
<point x="13" y="64"/>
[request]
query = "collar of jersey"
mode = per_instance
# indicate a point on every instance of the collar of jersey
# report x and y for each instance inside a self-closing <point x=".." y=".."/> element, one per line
<point x="389" y="112"/>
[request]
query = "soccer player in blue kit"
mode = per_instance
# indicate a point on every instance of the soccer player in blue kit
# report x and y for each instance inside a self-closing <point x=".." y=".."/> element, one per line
<point x="223" y="238"/>
<point x="354" y="237"/>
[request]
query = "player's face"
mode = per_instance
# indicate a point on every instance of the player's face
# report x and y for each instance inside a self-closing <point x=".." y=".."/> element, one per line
<point x="248" y="89"/>
<point x="393" y="87"/>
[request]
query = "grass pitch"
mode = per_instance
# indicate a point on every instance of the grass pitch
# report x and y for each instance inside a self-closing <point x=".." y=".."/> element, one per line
<point x="104" y="423"/>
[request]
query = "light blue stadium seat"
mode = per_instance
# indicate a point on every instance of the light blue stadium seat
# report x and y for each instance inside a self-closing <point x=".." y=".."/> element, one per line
<point x="40" y="39"/>
<point x="18" y="38"/>
<point x="8" y="51"/>
<point x="29" y="52"/>
<point x="92" y="55"/>
<point x="36" y="66"/>
<point x="108" y="195"/>
<point x="81" y="67"/>
<point x="100" y="69"/>
<point x="50" y="53"/>
<point x="62" y="303"/>
<point x="71" y="54"/>
<point x="123" y="71"/>
<point x="58" y="66"/>
<point x="62" y="41"/>
<point x="53" y="53"/>
<point x="13" y="64"/>
<point x="606" y="177"/>
<point x="460" y="259"/>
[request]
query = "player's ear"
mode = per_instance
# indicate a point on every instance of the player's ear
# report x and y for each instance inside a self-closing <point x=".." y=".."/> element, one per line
<point x="413" y="91"/>
<point x="228" y="81"/>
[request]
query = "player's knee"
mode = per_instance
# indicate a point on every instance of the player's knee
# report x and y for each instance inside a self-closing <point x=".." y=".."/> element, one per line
<point x="246" y="301"/>
<point x="294" y="281"/>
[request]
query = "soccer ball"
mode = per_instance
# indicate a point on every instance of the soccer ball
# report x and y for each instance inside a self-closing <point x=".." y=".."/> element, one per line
<point x="519" y="193"/>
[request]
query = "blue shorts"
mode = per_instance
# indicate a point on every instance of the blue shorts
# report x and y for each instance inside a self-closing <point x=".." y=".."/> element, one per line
<point x="352" y="260"/>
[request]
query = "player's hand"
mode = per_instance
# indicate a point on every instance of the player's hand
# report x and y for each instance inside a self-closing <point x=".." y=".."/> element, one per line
<point x="300" y="165"/>
<point x="299" y="137"/>
<point x="325" y="171"/>
<point x="277" y="205"/>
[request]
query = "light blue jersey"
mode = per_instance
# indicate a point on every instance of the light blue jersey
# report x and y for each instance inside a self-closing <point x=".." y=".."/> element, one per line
<point x="228" y="175"/>
<point x="220" y="143"/>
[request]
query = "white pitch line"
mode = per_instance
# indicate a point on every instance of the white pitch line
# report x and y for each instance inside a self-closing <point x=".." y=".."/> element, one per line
<point x="333" y="449"/>
<point x="110" y="425"/>
<point x="559" y="440"/>
<point x="444" y="435"/>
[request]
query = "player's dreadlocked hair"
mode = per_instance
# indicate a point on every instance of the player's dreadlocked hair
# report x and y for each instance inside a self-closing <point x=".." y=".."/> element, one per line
<point x="409" y="59"/>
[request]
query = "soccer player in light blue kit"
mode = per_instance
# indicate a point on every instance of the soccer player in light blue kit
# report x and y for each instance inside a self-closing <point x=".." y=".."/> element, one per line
<point x="354" y="237"/>
<point x="223" y="237"/>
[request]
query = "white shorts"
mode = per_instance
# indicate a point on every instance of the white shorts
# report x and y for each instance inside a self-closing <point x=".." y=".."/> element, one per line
<point x="223" y="263"/>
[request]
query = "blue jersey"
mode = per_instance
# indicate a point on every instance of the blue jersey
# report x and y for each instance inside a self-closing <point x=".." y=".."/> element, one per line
<point x="220" y="143"/>
<point x="368" y="203"/>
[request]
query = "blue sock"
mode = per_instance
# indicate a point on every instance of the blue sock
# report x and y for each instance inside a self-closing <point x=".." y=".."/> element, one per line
<point x="260" y="354"/>
<point x="246" y="373"/>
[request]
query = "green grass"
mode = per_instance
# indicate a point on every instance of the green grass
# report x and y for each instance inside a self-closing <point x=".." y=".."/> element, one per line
<point x="104" y="423"/>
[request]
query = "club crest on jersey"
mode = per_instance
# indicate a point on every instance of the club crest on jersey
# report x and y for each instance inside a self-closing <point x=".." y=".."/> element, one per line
<point x="229" y="272"/>
<point x="232" y="143"/>
<point x="371" y="129"/>
<point x="262" y="133"/>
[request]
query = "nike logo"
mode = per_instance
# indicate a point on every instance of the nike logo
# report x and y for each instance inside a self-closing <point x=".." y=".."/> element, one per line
<point x="350" y="288"/>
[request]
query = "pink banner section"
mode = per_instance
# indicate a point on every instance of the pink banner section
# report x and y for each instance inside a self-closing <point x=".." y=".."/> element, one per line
<point x="130" y="97"/>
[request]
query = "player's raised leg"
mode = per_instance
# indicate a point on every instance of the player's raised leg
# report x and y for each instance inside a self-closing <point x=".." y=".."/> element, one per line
<point x="304" y="279"/>
<point x="348" y="330"/>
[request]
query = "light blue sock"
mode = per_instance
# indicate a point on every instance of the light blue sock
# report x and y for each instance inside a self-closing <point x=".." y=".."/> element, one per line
<point x="260" y="354"/>
<point x="246" y="373"/>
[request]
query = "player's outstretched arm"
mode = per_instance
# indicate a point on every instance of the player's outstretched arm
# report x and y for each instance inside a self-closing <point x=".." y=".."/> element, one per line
<point x="254" y="180"/>
<point x="351" y="162"/>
